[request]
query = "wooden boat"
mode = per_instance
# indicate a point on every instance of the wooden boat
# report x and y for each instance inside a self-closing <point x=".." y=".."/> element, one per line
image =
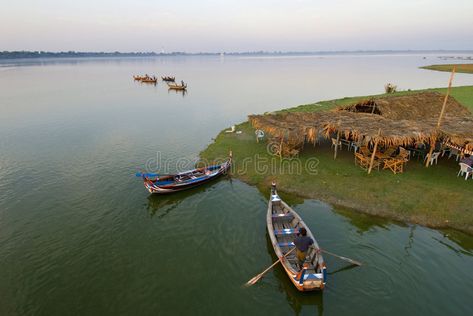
<point x="168" y="79"/>
<point x="149" y="80"/>
<point x="176" y="86"/>
<point x="283" y="225"/>
<point x="163" y="184"/>
<point x="138" y="78"/>
<point x="146" y="78"/>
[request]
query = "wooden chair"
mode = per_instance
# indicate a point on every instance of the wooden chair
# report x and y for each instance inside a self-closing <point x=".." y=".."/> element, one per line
<point x="396" y="165"/>
<point x="465" y="170"/>
<point x="364" y="161"/>
<point x="390" y="151"/>
<point x="294" y="153"/>
<point x="404" y="153"/>
<point x="365" y="151"/>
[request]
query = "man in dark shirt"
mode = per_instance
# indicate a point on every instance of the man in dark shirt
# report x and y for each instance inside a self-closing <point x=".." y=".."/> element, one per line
<point x="467" y="160"/>
<point x="302" y="242"/>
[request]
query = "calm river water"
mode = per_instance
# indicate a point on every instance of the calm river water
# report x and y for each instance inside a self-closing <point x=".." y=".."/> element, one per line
<point x="79" y="235"/>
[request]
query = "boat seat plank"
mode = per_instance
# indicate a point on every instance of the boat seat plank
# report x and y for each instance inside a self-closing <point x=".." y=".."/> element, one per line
<point x="286" y="231"/>
<point x="282" y="216"/>
<point x="313" y="276"/>
<point x="286" y="244"/>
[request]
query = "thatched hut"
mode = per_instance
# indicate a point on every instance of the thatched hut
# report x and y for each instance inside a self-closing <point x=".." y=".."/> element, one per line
<point x="392" y="121"/>
<point x="419" y="106"/>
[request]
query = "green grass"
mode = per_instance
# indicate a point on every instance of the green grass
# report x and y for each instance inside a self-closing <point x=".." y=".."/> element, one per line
<point x="433" y="196"/>
<point x="464" y="68"/>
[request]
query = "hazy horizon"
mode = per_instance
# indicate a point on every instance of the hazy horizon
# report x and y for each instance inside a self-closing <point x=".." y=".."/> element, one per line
<point x="236" y="26"/>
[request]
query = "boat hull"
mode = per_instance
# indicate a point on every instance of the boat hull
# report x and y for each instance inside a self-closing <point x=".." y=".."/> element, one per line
<point x="176" y="87"/>
<point x="286" y="223"/>
<point x="176" y="187"/>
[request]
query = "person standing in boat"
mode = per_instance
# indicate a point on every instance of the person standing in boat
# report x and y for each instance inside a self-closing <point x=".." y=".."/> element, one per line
<point x="302" y="242"/>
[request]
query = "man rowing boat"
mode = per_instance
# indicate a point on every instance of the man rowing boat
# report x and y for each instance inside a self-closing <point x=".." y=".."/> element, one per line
<point x="302" y="242"/>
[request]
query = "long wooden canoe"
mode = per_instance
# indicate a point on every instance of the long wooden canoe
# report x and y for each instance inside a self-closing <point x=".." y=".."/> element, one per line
<point x="149" y="80"/>
<point x="164" y="184"/>
<point x="168" y="78"/>
<point x="283" y="225"/>
<point x="176" y="86"/>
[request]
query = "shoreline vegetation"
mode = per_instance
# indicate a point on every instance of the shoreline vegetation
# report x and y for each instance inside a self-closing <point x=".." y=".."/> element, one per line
<point x="75" y="54"/>
<point x="461" y="68"/>
<point x="434" y="197"/>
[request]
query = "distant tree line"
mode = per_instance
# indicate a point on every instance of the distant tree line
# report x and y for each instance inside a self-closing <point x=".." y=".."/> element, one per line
<point x="44" y="54"/>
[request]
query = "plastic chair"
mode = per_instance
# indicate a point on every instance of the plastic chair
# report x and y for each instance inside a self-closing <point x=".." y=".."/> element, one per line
<point x="433" y="157"/>
<point x="465" y="170"/>
<point x="346" y="143"/>
<point x="355" y="146"/>
<point x="454" y="152"/>
<point x="335" y="143"/>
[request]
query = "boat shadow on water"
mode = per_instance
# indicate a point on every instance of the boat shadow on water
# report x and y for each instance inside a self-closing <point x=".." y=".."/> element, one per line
<point x="296" y="299"/>
<point x="181" y="92"/>
<point x="160" y="205"/>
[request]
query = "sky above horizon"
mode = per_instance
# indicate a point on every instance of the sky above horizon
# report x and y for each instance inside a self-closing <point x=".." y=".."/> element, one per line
<point x="235" y="26"/>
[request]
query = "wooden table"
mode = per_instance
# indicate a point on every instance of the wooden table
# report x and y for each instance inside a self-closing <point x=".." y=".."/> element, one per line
<point x="382" y="156"/>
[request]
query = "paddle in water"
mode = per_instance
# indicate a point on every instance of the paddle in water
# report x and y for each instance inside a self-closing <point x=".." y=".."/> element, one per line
<point x="256" y="278"/>
<point x="341" y="257"/>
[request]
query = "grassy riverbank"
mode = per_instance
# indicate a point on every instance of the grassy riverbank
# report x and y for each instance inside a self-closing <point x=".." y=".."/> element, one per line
<point x="433" y="196"/>
<point x="464" y="68"/>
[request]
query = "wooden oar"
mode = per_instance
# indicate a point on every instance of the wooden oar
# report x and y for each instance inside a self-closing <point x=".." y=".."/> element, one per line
<point x="256" y="278"/>
<point x="341" y="257"/>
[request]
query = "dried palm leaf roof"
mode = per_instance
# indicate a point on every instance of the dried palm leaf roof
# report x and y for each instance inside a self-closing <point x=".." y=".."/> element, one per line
<point x="416" y="106"/>
<point x="360" y="127"/>
<point x="458" y="131"/>
<point x="297" y="128"/>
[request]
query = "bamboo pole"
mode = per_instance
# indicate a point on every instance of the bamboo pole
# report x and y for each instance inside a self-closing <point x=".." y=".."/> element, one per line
<point x="446" y="96"/>
<point x="432" y="147"/>
<point x="442" y="112"/>
<point x="336" y="145"/>
<point x="374" y="107"/>
<point x="374" y="151"/>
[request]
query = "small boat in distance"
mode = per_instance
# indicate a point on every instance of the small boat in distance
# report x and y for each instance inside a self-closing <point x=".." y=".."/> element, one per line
<point x="150" y="80"/>
<point x="145" y="78"/>
<point x="168" y="79"/>
<point x="283" y="225"/>
<point x="177" y="86"/>
<point x="163" y="184"/>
